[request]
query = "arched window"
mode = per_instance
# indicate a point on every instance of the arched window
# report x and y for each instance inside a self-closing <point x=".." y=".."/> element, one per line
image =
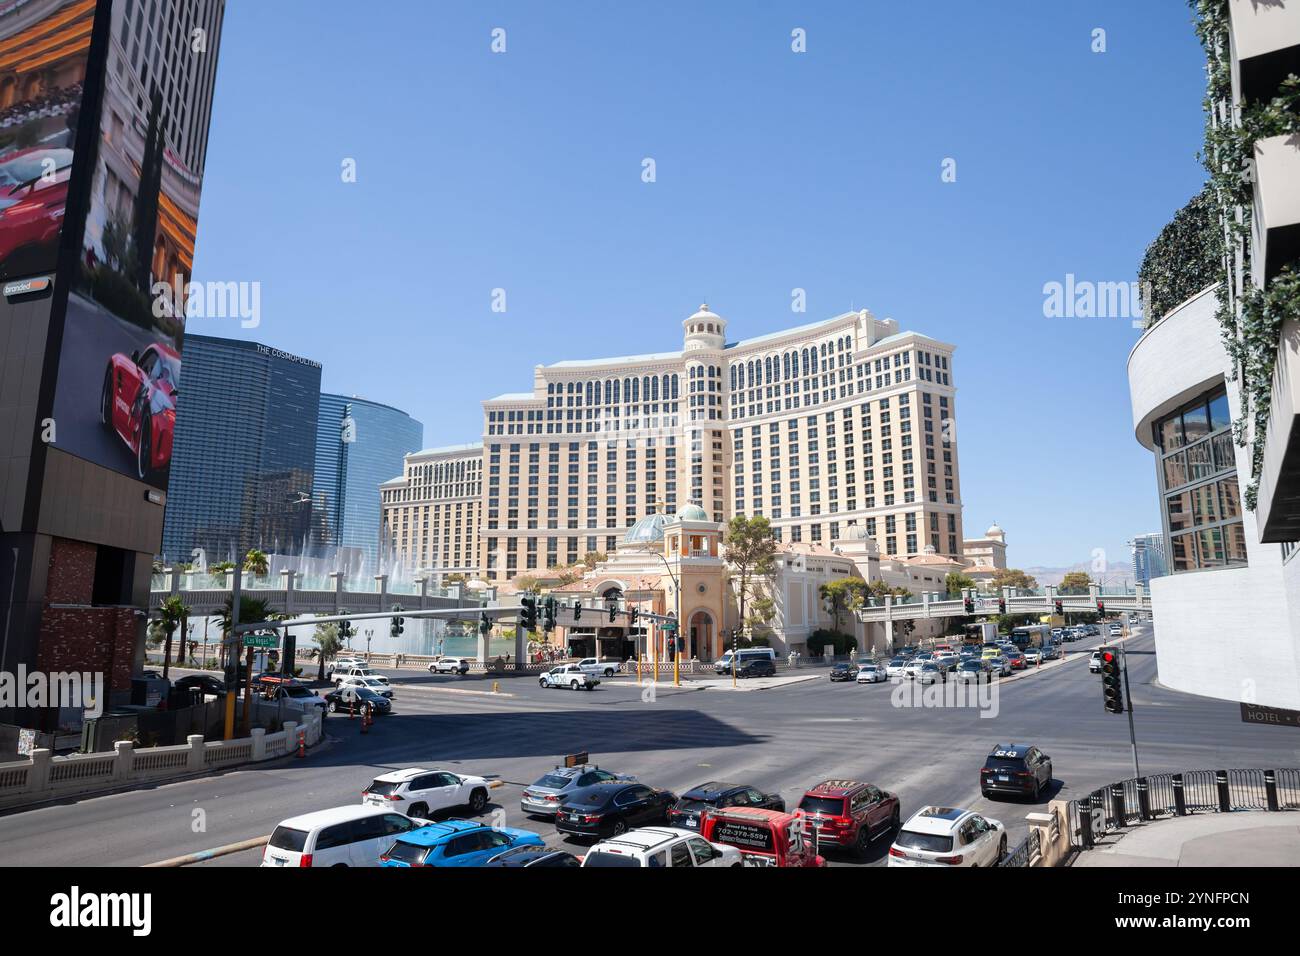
<point x="654" y="388"/>
<point x="733" y="377"/>
<point x="674" y="385"/>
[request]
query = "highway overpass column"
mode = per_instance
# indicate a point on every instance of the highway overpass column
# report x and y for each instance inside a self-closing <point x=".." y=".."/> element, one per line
<point x="889" y="624"/>
<point x="338" y="591"/>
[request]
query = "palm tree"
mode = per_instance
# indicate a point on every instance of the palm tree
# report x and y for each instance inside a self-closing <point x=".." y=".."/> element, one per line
<point x="328" y="644"/>
<point x="171" y="614"/>
<point x="255" y="562"/>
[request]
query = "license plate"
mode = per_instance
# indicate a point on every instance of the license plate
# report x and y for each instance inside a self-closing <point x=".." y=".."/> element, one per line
<point x="279" y="860"/>
<point x="1003" y="777"/>
<point x="692" y="821"/>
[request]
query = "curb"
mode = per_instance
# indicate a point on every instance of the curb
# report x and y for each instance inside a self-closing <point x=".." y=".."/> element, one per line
<point x="202" y="855"/>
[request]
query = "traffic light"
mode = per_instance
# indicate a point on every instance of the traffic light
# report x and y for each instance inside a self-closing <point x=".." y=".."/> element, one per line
<point x="484" y="624"/>
<point x="970" y="603"/>
<point x="346" y="630"/>
<point x="1059" y="607"/>
<point x="632" y="615"/>
<point x="528" y="619"/>
<point x="395" y="629"/>
<point x="577" y="609"/>
<point x="1101" y="606"/>
<point x="613" y="612"/>
<point x="548" y="614"/>
<point x="1002" y="605"/>
<point x="1111" y="691"/>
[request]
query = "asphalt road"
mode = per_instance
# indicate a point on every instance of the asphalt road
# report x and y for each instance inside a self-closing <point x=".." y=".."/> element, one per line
<point x="784" y="739"/>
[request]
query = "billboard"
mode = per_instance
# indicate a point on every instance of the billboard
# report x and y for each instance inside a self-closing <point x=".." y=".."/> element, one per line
<point x="44" y="47"/>
<point x="119" y="367"/>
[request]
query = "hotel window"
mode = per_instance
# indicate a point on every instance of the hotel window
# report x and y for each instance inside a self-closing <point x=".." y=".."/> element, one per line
<point x="1197" y="475"/>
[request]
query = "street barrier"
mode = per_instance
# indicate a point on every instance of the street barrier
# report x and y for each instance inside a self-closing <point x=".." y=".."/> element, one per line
<point x="1166" y="795"/>
<point x="43" y="776"/>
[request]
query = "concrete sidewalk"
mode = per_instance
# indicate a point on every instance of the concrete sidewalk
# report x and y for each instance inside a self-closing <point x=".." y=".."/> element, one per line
<point x="1243" y="838"/>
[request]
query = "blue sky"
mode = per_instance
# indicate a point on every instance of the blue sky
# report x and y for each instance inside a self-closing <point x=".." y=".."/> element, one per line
<point x="775" y="171"/>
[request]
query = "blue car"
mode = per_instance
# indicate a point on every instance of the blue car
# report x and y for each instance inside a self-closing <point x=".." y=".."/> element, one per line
<point x="455" y="843"/>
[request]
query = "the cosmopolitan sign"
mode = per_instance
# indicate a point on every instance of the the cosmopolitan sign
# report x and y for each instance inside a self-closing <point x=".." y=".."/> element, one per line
<point x="288" y="357"/>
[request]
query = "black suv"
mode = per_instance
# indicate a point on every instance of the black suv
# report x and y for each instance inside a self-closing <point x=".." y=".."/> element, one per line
<point x="697" y="801"/>
<point x="843" y="671"/>
<point x="759" y="667"/>
<point x="1020" y="769"/>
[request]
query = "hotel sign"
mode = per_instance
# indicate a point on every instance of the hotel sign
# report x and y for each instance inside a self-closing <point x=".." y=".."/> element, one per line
<point x="1275" y="716"/>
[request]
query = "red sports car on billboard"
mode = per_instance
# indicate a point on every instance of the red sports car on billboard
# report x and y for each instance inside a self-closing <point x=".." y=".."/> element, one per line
<point x="33" y="191"/>
<point x="139" y="403"/>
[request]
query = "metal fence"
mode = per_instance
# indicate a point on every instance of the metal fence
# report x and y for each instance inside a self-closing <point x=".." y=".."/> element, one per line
<point x="1165" y="795"/>
<point x="1024" y="854"/>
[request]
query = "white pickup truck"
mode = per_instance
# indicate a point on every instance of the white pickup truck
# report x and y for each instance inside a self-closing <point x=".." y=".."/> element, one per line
<point x="568" y="675"/>
<point x="598" y="668"/>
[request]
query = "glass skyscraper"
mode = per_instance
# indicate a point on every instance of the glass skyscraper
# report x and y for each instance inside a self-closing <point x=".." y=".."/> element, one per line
<point x="244" y="453"/>
<point x="359" y="445"/>
<point x="1149" y="558"/>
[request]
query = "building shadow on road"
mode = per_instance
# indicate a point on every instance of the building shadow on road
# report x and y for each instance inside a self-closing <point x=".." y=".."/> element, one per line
<point x="487" y="736"/>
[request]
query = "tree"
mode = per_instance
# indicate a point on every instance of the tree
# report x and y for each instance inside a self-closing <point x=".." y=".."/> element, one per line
<point x="328" y="645"/>
<point x="955" y="582"/>
<point x="172" y="613"/>
<point x="750" y="551"/>
<point x="762" y="611"/>
<point x="221" y="567"/>
<point x="593" y="558"/>
<point x="455" y="578"/>
<point x="255" y="562"/>
<point x="1075" y="582"/>
<point x="843" y="594"/>
<point x="526" y="582"/>
<point x="1013" y="578"/>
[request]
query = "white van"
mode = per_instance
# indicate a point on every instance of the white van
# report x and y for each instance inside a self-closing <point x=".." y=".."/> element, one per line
<point x="343" y="836"/>
<point x="723" y="664"/>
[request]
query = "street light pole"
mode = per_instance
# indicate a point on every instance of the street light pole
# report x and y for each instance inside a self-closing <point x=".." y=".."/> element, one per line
<point x="677" y="593"/>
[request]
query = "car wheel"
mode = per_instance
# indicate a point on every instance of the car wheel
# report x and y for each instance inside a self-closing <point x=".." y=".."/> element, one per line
<point x="618" y="828"/>
<point x="1002" y="848"/>
<point x="106" y="400"/>
<point x="863" y="843"/>
<point x="420" y="810"/>
<point x="608" y="672"/>
<point x="541" y="682"/>
<point x="144" y="450"/>
<point x="573" y="685"/>
<point x="478" y="800"/>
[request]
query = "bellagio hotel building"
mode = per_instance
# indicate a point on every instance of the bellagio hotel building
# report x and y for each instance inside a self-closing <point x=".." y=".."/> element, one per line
<point x="842" y="422"/>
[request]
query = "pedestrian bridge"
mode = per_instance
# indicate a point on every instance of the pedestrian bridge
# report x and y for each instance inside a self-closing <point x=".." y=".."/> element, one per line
<point x="1017" y="601"/>
<point x="291" y="595"/>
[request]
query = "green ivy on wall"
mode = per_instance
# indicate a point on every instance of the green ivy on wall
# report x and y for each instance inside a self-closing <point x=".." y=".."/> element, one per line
<point x="1251" y="327"/>
<point x="1184" y="259"/>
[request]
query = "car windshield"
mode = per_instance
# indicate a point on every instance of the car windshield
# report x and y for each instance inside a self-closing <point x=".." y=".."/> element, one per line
<point x="554" y="782"/>
<point x="287" y="838"/>
<point x="970" y="666"/>
<point x="930" y="842"/>
<point x="831" y="806"/>
<point x="407" y="853"/>
<point x="365" y="693"/>
<point x="382" y="788"/>
<point x="298" y="692"/>
<point x="593" y="798"/>
<point x="898" y="662"/>
<point x="601" y="858"/>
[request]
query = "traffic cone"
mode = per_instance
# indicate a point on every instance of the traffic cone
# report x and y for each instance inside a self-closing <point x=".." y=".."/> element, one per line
<point x="302" y="743"/>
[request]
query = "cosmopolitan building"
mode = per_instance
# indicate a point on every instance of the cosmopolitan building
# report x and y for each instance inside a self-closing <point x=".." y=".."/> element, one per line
<point x="359" y="444"/>
<point x="244" y="456"/>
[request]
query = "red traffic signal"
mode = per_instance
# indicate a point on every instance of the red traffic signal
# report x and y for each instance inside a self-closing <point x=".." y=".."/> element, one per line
<point x="1111" y="692"/>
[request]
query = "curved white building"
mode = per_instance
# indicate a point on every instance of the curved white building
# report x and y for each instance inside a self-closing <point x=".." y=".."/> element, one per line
<point x="1223" y="622"/>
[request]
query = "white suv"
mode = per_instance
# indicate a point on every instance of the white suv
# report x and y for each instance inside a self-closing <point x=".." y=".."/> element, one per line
<point x="363" y="672"/>
<point x="946" y="836"/>
<point x="449" y="665"/>
<point x="418" y="792"/>
<point x="661" y="847"/>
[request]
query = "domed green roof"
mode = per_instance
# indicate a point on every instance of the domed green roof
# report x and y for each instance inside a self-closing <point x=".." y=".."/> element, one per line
<point x="646" y="531"/>
<point x="692" y="513"/>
